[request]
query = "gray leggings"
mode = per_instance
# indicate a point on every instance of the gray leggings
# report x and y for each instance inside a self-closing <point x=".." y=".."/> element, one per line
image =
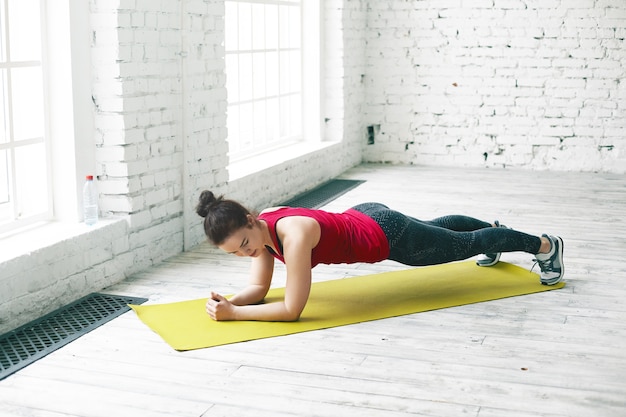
<point x="445" y="239"/>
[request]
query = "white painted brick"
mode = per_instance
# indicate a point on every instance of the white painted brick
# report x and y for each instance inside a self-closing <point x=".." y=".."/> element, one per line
<point x="611" y="23"/>
<point x="572" y="112"/>
<point x="139" y="219"/>
<point x="616" y="132"/>
<point x="116" y="204"/>
<point x="137" y="19"/>
<point x="509" y="4"/>
<point x="603" y="84"/>
<point x="591" y="93"/>
<point x="116" y="169"/>
<point x="156" y="196"/>
<point x="578" y="73"/>
<point x="558" y="131"/>
<point x="553" y="50"/>
<point x="530" y="82"/>
<point x="528" y="92"/>
<point x="111" y="153"/>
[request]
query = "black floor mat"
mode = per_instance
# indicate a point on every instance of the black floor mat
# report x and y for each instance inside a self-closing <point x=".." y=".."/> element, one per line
<point x="34" y="340"/>
<point x="323" y="194"/>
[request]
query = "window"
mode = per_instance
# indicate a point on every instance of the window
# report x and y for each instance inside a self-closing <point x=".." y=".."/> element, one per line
<point x="24" y="185"/>
<point x="267" y="76"/>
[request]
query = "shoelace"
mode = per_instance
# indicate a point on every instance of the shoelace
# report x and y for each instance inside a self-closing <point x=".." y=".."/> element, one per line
<point x="545" y="265"/>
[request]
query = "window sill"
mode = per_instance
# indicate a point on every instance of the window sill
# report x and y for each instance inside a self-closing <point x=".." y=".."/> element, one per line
<point x="253" y="164"/>
<point x="43" y="235"/>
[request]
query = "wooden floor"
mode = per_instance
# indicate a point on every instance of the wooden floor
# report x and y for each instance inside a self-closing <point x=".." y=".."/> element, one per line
<point x="559" y="353"/>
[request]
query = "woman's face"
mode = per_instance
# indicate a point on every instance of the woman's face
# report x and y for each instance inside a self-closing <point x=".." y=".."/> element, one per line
<point x="247" y="241"/>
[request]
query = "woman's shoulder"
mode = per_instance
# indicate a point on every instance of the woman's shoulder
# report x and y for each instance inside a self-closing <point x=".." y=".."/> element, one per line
<point x="272" y="209"/>
<point x="291" y="216"/>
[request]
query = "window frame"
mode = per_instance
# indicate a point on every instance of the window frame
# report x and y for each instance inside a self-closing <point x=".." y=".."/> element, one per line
<point x="69" y="122"/>
<point x="11" y="209"/>
<point x="310" y="82"/>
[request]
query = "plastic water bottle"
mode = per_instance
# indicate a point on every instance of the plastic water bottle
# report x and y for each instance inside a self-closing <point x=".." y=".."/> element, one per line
<point x="90" y="201"/>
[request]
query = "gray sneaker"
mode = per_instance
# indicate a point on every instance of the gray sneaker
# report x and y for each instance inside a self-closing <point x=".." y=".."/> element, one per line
<point x="490" y="259"/>
<point x="551" y="263"/>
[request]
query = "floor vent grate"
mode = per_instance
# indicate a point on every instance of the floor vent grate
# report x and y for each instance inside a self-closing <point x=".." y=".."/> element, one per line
<point x="323" y="194"/>
<point x="25" y="345"/>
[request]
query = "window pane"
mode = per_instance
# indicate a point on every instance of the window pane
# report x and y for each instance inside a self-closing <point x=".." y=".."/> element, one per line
<point x="233" y="128"/>
<point x="245" y="27"/>
<point x="295" y="115"/>
<point x="271" y="25"/>
<point x="231" y="37"/>
<point x="3" y="56"/>
<point x="232" y="78"/>
<point x="6" y="208"/>
<point x="258" y="83"/>
<point x="272" y="129"/>
<point x="284" y="72"/>
<point x="4" y="110"/>
<point x="295" y="70"/>
<point x="294" y="27"/>
<point x="4" y="177"/>
<point x="245" y="125"/>
<point x="24" y="30"/>
<point x="283" y="27"/>
<point x="27" y="97"/>
<point x="258" y="26"/>
<point x="31" y="190"/>
<point x="245" y="77"/>
<point x="284" y="117"/>
<point x="259" y="123"/>
<point x="272" y="74"/>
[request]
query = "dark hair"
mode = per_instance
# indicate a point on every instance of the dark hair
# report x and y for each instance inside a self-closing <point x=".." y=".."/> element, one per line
<point x="222" y="217"/>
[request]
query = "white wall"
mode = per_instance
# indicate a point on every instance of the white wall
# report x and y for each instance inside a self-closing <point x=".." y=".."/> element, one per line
<point x="534" y="84"/>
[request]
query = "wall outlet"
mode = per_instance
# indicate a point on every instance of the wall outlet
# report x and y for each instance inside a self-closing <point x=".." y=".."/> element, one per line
<point x="372" y="130"/>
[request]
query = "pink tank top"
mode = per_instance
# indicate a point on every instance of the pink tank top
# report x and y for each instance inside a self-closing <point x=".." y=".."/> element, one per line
<point x="346" y="237"/>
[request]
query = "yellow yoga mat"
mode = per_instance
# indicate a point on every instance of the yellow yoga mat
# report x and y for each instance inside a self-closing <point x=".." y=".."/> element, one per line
<point x="186" y="326"/>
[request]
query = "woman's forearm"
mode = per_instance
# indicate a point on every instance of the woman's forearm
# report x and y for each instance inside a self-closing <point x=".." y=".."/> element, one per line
<point x="277" y="311"/>
<point x="252" y="294"/>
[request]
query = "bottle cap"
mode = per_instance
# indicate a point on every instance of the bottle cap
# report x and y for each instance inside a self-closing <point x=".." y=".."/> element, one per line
<point x="89" y="177"/>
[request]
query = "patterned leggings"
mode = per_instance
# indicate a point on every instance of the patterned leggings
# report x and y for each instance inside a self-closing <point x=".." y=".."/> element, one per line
<point x="445" y="239"/>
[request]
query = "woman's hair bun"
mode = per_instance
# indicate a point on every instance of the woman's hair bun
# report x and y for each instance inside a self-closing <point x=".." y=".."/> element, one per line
<point x="222" y="217"/>
<point x="207" y="201"/>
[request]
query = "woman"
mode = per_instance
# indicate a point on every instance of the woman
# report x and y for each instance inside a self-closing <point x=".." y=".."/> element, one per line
<point x="371" y="232"/>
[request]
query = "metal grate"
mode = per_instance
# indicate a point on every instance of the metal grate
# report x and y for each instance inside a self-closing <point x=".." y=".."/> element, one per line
<point x="31" y="342"/>
<point x="323" y="194"/>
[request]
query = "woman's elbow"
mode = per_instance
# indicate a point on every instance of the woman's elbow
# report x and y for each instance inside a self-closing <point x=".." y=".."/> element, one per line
<point x="292" y="314"/>
<point x="292" y="317"/>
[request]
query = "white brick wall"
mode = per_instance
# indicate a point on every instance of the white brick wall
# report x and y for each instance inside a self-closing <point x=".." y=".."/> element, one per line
<point x="62" y="270"/>
<point x="533" y="84"/>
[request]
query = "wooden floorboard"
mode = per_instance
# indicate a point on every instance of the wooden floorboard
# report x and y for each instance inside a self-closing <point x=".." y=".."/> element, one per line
<point x="554" y="354"/>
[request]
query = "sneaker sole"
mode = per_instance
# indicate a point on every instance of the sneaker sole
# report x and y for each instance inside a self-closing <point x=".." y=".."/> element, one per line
<point x="560" y="255"/>
<point x="491" y="263"/>
<point x="497" y="258"/>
